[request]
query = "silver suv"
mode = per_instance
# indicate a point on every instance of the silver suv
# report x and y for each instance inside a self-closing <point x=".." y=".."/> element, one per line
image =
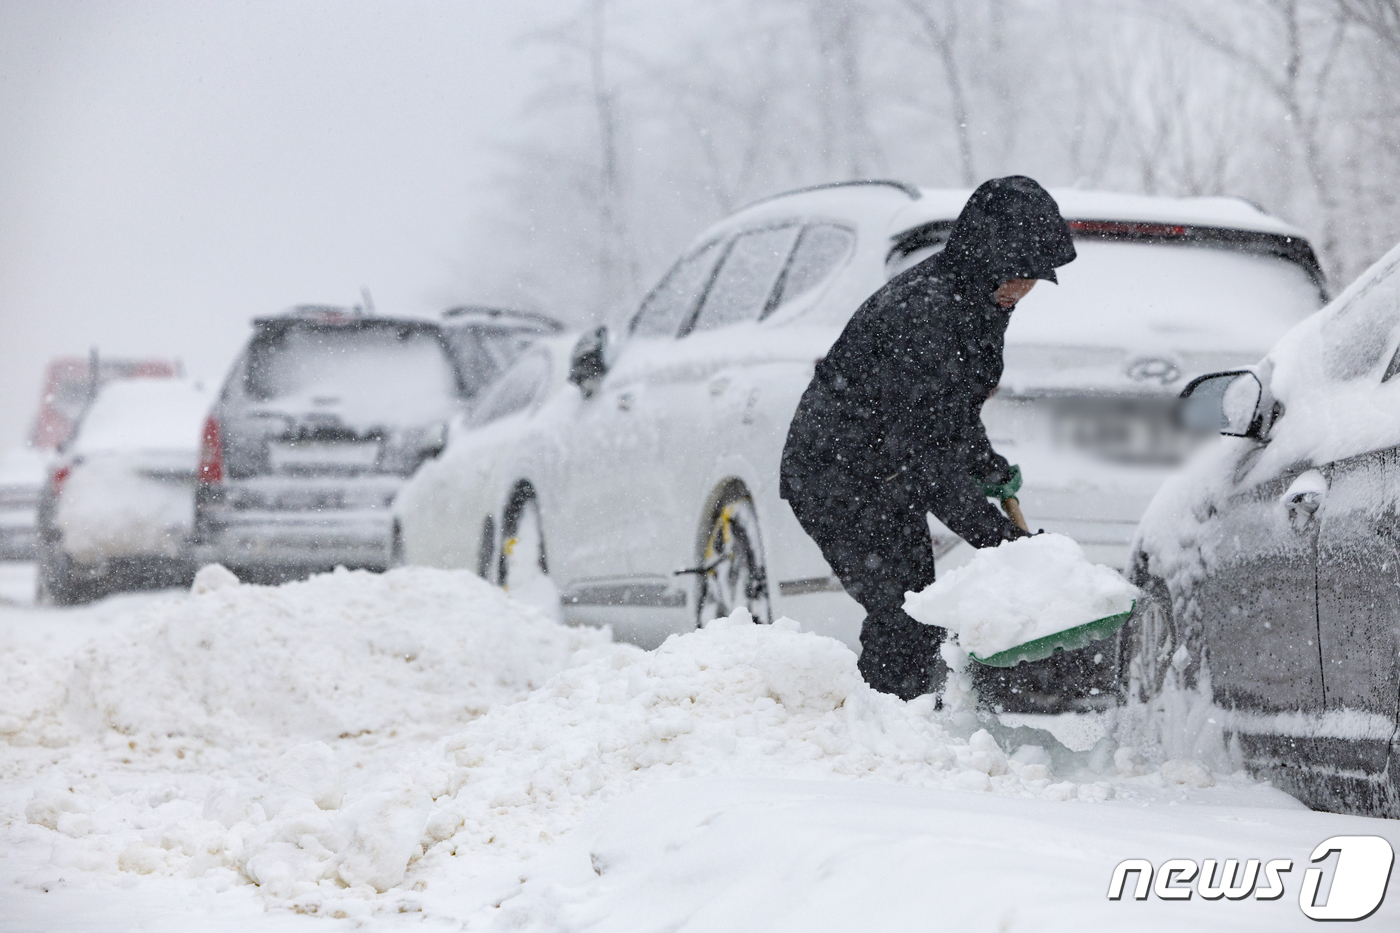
<point x="320" y="421"/>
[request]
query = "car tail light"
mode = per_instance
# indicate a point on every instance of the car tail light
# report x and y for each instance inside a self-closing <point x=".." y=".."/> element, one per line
<point x="211" y="453"/>
<point x="58" y="478"/>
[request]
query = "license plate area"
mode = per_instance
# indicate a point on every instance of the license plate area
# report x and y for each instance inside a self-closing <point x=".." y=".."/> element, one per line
<point x="1122" y="431"/>
<point x="322" y="456"/>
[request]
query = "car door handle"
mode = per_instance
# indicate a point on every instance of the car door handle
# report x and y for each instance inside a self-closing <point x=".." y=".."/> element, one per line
<point x="1302" y="506"/>
<point x="1304" y="501"/>
<point x="1303" y="498"/>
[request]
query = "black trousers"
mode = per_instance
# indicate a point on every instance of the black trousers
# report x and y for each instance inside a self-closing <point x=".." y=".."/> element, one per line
<point x="878" y="545"/>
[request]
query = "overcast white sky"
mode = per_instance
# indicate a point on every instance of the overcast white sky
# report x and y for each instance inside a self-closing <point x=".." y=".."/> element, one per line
<point x="170" y="170"/>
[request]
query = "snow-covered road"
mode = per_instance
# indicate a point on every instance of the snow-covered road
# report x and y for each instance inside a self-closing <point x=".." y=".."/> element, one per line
<point x="417" y="749"/>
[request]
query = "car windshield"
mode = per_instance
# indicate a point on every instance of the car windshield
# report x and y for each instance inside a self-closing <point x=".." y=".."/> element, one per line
<point x="369" y="373"/>
<point x="484" y="353"/>
<point x="1150" y="296"/>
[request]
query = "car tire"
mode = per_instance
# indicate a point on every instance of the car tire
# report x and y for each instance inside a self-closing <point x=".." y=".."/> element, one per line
<point x="58" y="585"/>
<point x="396" y="548"/>
<point x="732" y="569"/>
<point x="1158" y="640"/>
<point x="486" y="551"/>
<point x="523" y="566"/>
<point x="1390" y="790"/>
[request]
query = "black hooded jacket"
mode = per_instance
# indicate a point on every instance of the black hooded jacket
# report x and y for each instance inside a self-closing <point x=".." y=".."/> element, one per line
<point x="895" y="408"/>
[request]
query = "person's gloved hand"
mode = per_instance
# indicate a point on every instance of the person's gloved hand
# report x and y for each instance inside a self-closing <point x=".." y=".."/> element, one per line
<point x="1002" y="484"/>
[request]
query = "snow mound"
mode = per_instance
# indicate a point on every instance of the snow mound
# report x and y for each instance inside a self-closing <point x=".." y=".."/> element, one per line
<point x="1020" y="591"/>
<point x="343" y="654"/>
<point x="733" y="699"/>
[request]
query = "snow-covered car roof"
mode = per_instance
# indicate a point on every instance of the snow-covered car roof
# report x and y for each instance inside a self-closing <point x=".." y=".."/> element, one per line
<point x="507" y="318"/>
<point x="1076" y="204"/>
<point x="922" y="205"/>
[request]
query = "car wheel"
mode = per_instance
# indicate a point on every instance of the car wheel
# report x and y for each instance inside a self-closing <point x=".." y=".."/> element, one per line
<point x="732" y="569"/>
<point x="58" y="585"/>
<point x="523" y="564"/>
<point x="1159" y="647"/>
<point x="1390" y="789"/>
<point x="396" y="548"/>
<point x="486" y="553"/>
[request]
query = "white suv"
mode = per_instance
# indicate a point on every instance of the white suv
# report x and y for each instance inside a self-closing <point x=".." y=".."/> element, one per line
<point x="639" y="473"/>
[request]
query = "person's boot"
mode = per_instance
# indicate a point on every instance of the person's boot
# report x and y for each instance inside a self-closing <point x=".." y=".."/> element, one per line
<point x="900" y="656"/>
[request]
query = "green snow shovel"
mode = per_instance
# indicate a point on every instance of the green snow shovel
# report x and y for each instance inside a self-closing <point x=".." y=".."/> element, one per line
<point x="1081" y="636"/>
<point x="1039" y="649"/>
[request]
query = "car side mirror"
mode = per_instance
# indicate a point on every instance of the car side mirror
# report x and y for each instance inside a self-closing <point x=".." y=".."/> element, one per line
<point x="1226" y="403"/>
<point x="588" y="362"/>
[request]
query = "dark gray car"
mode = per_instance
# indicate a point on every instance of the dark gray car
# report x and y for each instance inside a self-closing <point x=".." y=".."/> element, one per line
<point x="320" y="421"/>
<point x="1273" y="562"/>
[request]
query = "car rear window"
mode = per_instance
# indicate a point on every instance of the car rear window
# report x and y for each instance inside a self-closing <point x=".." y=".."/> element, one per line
<point x="131" y="415"/>
<point x="1182" y="296"/>
<point x="386" y="373"/>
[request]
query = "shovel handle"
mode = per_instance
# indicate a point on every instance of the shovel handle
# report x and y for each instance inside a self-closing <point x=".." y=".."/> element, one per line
<point x="1013" y="512"/>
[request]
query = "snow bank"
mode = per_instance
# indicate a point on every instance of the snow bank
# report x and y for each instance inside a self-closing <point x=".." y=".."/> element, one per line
<point x="1020" y="591"/>
<point x="342" y="654"/>
<point x="734" y="699"/>
<point x="731" y="699"/>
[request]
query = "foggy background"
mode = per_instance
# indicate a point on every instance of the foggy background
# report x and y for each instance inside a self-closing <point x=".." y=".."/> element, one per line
<point x="168" y="171"/>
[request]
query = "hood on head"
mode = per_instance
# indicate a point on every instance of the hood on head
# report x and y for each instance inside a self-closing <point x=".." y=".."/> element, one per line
<point x="1009" y="229"/>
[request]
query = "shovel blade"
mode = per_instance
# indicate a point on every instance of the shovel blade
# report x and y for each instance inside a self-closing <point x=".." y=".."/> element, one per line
<point x="1080" y="636"/>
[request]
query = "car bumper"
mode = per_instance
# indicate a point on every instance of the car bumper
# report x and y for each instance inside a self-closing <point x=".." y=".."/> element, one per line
<point x="307" y="541"/>
<point x="19" y="536"/>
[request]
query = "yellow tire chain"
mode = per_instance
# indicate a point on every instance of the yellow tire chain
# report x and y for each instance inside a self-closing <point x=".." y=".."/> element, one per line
<point x="726" y="534"/>
<point x="507" y="550"/>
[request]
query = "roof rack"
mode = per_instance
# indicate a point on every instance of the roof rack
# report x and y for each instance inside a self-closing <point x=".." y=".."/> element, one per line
<point x="328" y="314"/>
<point x="913" y="192"/>
<point x="503" y="316"/>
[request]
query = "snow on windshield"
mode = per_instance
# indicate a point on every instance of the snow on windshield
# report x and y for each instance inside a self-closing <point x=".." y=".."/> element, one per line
<point x="369" y="375"/>
<point x="144" y="414"/>
<point x="1155" y="296"/>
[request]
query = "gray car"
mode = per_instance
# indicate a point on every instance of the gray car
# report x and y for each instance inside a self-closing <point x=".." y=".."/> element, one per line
<point x="1272" y="562"/>
<point x="486" y="340"/>
<point x="322" y="418"/>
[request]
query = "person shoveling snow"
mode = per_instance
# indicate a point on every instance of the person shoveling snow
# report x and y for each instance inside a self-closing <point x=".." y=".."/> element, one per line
<point x="890" y="428"/>
<point x="1024" y="600"/>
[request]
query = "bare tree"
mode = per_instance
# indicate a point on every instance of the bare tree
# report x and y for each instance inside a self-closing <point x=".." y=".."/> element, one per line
<point x="848" y="143"/>
<point x="1381" y="17"/>
<point x="656" y="117"/>
<point x="1295" y="68"/>
<point x="941" y="31"/>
